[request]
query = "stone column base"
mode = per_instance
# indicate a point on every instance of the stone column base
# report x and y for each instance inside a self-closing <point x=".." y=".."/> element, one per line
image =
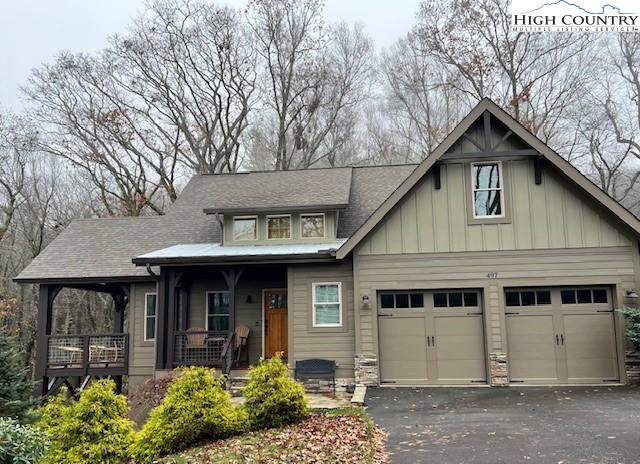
<point x="498" y="368"/>
<point x="632" y="366"/>
<point x="366" y="370"/>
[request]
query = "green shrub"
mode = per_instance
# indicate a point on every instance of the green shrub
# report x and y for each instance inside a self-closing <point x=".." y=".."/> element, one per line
<point x="196" y="407"/>
<point x="19" y="443"/>
<point x="633" y="325"/>
<point x="273" y="398"/>
<point x="94" y="429"/>
<point x="15" y="388"/>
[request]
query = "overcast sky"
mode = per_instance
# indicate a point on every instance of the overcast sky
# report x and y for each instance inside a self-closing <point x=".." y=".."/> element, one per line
<point x="33" y="31"/>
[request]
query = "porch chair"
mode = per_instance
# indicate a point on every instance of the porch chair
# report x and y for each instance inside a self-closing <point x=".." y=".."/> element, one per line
<point x="242" y="337"/>
<point x="196" y="340"/>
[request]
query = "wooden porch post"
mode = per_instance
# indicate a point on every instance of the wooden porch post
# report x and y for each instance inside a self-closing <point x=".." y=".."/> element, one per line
<point x="47" y="295"/>
<point x="172" y="314"/>
<point x="161" y="335"/>
<point x="120" y="299"/>
<point x="232" y="277"/>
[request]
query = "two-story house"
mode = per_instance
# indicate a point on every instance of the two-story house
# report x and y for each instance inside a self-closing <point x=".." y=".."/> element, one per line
<point x="494" y="261"/>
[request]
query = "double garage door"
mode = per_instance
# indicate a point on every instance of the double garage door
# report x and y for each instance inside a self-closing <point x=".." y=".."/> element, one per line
<point x="561" y="335"/>
<point x="431" y="337"/>
<point x="554" y="336"/>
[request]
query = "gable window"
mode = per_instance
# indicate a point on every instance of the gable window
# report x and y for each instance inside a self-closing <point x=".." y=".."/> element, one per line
<point x="327" y="304"/>
<point x="244" y="228"/>
<point x="278" y="227"/>
<point x="217" y="311"/>
<point x="487" y="190"/>
<point x="312" y="225"/>
<point x="150" y="311"/>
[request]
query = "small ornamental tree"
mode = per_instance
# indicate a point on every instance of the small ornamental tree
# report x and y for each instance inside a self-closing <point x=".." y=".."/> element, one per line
<point x="15" y="388"/>
<point x="633" y="325"/>
<point x="273" y="397"/>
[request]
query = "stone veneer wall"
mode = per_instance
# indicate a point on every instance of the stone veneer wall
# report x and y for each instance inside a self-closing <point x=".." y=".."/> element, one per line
<point x="632" y="365"/>
<point x="366" y="370"/>
<point x="498" y="368"/>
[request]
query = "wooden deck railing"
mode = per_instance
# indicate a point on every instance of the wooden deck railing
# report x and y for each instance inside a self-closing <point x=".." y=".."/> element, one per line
<point x="96" y="354"/>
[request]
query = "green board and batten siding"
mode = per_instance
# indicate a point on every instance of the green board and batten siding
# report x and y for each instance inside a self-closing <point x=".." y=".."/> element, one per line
<point x="546" y="216"/>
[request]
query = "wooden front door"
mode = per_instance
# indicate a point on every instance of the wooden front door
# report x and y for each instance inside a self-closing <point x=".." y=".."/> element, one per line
<point x="275" y="323"/>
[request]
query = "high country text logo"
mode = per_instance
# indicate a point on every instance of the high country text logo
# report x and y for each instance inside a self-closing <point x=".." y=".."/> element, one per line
<point x="575" y="16"/>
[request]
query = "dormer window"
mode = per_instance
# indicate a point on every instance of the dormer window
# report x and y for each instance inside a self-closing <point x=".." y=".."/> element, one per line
<point x="245" y="228"/>
<point x="488" y="197"/>
<point x="312" y="225"/>
<point x="278" y="227"/>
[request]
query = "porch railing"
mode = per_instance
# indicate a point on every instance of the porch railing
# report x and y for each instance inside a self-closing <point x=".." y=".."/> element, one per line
<point x="100" y="354"/>
<point x="228" y="353"/>
<point x="199" y="348"/>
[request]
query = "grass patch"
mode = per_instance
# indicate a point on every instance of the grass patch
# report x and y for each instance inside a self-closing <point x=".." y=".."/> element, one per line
<point x="336" y="436"/>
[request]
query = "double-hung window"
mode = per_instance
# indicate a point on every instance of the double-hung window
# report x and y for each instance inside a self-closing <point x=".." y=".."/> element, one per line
<point x="327" y="304"/>
<point x="150" y="311"/>
<point x="218" y="311"/>
<point x="487" y="190"/>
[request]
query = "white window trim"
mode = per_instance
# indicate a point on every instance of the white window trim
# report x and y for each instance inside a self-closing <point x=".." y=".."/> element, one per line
<point x="324" y="226"/>
<point x="313" y="304"/>
<point x="206" y="309"/>
<point x="501" y="190"/>
<point x="233" y="229"/>
<point x="278" y="216"/>
<point x="146" y="316"/>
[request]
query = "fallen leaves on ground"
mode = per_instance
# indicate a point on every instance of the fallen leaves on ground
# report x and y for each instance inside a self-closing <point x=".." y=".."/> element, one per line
<point x="320" y="438"/>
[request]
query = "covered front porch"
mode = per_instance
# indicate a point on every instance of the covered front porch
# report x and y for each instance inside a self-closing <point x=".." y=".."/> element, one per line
<point x="220" y="316"/>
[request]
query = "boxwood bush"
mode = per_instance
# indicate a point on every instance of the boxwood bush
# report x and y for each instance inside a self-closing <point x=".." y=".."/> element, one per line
<point x="196" y="407"/>
<point x="633" y="325"/>
<point x="273" y="397"/>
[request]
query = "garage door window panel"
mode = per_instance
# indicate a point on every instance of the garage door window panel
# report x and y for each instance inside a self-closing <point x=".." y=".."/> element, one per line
<point x="455" y="299"/>
<point x="528" y="298"/>
<point x="401" y="300"/>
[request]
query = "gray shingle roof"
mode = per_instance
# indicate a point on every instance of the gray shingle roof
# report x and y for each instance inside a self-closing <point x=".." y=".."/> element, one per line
<point x="285" y="189"/>
<point x="104" y="248"/>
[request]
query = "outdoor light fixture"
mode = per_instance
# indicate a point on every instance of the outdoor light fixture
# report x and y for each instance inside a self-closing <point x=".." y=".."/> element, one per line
<point x="631" y="293"/>
<point x="366" y="302"/>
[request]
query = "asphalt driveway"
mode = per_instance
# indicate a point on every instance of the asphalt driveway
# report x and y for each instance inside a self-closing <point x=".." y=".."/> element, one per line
<point x="560" y="425"/>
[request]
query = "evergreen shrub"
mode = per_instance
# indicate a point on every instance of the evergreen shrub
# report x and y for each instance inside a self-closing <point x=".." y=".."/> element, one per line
<point x="196" y="407"/>
<point x="94" y="429"/>
<point x="273" y="397"/>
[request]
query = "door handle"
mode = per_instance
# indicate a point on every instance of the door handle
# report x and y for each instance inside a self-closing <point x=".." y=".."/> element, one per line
<point x="433" y="341"/>
<point x="428" y="341"/>
<point x="266" y="327"/>
<point x="562" y="339"/>
<point x="557" y="340"/>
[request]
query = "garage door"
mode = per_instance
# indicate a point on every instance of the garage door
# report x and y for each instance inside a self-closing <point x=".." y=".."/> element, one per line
<point x="561" y="335"/>
<point x="431" y="337"/>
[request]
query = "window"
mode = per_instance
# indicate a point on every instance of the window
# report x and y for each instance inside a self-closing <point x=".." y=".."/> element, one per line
<point x="584" y="296"/>
<point x="487" y="190"/>
<point x="244" y="228"/>
<point x="278" y="227"/>
<point x="401" y="300"/>
<point x="312" y="225"/>
<point x="150" y="311"/>
<point x="455" y="299"/>
<point x="528" y="298"/>
<point x="327" y="304"/>
<point x="218" y="311"/>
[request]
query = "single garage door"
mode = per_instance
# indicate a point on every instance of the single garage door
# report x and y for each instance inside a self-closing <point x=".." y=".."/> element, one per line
<point x="561" y="335"/>
<point x="431" y="337"/>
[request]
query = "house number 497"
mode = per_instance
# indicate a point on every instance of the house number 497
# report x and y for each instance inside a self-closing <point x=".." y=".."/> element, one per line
<point x="492" y="275"/>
